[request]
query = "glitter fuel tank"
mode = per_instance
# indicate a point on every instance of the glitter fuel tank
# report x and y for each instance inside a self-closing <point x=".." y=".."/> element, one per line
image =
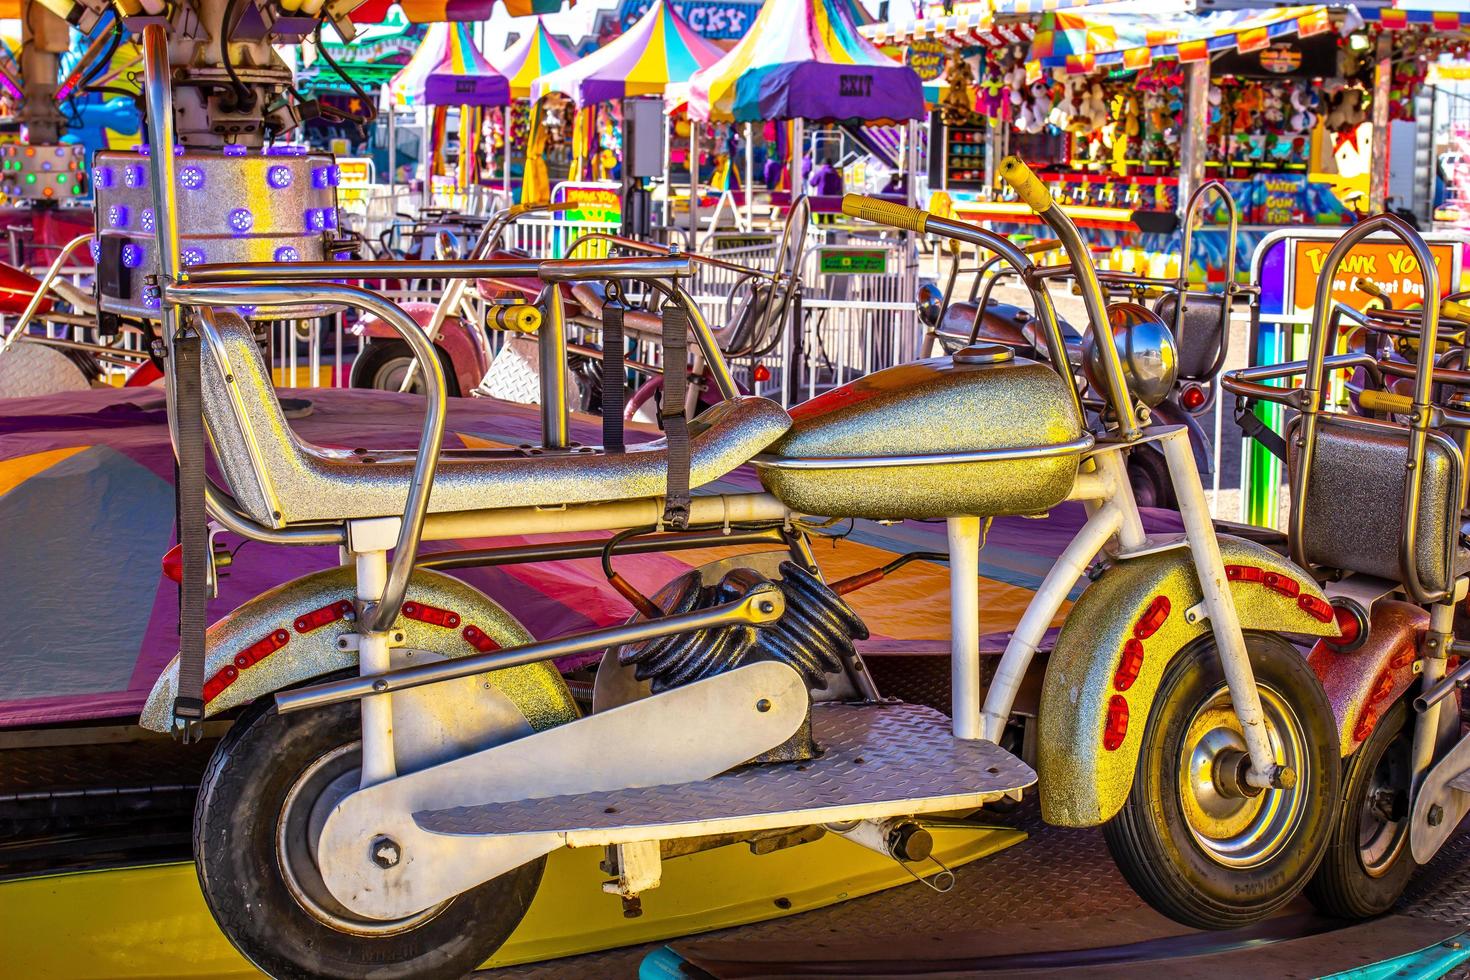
<point x="982" y="433"/>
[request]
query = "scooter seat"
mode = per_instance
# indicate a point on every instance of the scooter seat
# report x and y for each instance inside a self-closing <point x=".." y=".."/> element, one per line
<point x="280" y="479"/>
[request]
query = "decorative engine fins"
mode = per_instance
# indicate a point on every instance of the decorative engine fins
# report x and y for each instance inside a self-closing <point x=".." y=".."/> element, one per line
<point x="814" y="636"/>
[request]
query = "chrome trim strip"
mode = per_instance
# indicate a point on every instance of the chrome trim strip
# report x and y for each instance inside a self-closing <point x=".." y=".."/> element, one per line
<point x="1077" y="446"/>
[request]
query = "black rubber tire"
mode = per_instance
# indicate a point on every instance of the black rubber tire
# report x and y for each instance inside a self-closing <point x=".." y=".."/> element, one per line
<point x="235" y="822"/>
<point x="1148" y="475"/>
<point x="1342" y="886"/>
<point x="378" y="355"/>
<point x="1149" y="838"/>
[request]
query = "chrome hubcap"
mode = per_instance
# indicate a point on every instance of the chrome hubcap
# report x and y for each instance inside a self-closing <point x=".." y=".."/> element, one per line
<point x="1383" y="827"/>
<point x="323" y="785"/>
<point x="389" y="377"/>
<point x="1232" y="828"/>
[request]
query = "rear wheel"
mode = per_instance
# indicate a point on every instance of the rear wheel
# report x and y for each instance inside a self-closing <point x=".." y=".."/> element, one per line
<point x="262" y="803"/>
<point x="384" y="363"/>
<point x="1148" y="475"/>
<point x="1189" y="839"/>
<point x="1368" y="865"/>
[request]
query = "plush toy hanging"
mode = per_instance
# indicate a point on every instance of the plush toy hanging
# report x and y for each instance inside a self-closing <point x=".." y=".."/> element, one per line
<point x="958" y="103"/>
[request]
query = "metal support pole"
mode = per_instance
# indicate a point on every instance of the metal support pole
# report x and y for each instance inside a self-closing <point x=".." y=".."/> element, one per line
<point x="1196" y="128"/>
<point x="693" y="186"/>
<point x="374" y="657"/>
<point x="749" y="176"/>
<point x="1440" y="636"/>
<point x="552" y="343"/>
<point x="1378" y="161"/>
<point x="964" y="625"/>
<point x="392" y="152"/>
<point x="798" y="138"/>
<point x="668" y="209"/>
<point x="911" y="163"/>
<point x="507" y="121"/>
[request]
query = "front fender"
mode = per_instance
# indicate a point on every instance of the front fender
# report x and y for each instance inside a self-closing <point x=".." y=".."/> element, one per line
<point x="1083" y="783"/>
<point x="289" y="635"/>
<point x="463" y="342"/>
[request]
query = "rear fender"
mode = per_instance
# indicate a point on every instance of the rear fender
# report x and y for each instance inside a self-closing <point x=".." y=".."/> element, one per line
<point x="463" y="342"/>
<point x="274" y="642"/>
<point x="1084" y="783"/>
<point x="1170" y="413"/>
<point x="1364" y="683"/>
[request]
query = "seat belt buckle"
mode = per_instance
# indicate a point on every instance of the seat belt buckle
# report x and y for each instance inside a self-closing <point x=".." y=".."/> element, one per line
<point x="188" y="723"/>
<point x="676" y="513"/>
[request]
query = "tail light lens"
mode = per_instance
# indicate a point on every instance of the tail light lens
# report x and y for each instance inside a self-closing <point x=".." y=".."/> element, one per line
<point x="1193" y="397"/>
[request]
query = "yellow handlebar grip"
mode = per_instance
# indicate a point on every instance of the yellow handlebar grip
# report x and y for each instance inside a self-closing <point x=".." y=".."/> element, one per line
<point x="1368" y="286"/>
<point x="1385" y="401"/>
<point x="517" y="318"/>
<point x="1455" y="310"/>
<point x="1042" y="245"/>
<point x="882" y="212"/>
<point x="1027" y="185"/>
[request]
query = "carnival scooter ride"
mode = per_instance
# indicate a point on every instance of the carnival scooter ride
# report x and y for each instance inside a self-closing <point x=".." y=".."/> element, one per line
<point x="403" y="755"/>
<point x="1378" y="498"/>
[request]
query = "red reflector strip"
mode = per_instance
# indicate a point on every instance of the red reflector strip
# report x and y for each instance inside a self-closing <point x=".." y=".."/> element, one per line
<point x="1365" y="724"/>
<point x="1117" y="727"/>
<point x="476" y="638"/>
<point x="1244" y="573"/>
<point x="1382" y="688"/>
<point x="318" y="618"/>
<point x="432" y="615"/>
<point x="1318" y="609"/>
<point x="1129" y="665"/>
<point x="1286" y="585"/>
<point x="245" y="659"/>
<point x="1153" y="617"/>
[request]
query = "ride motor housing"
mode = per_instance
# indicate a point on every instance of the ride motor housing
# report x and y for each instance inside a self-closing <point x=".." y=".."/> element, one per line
<point x="276" y="206"/>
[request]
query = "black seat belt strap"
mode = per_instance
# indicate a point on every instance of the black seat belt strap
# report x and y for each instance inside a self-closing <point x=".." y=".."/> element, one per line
<point x="614" y="375"/>
<point x="1251" y="424"/>
<point x="193" y="536"/>
<point x="675" y="422"/>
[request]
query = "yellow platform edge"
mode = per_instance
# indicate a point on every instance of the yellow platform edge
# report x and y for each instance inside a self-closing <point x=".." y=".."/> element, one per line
<point x="151" y="922"/>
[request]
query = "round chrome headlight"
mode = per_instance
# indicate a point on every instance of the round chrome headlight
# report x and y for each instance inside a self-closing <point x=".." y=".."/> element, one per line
<point x="1146" y="349"/>
<point x="931" y="303"/>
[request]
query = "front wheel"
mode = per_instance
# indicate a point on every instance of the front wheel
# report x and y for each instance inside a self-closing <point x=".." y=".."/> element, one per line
<point x="262" y="803"/>
<point x="1368" y="865"/>
<point x="382" y="364"/>
<point x="1190" y="840"/>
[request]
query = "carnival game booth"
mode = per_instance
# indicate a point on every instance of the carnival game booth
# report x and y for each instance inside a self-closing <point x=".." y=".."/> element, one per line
<point x="1124" y="112"/>
<point x="447" y="71"/>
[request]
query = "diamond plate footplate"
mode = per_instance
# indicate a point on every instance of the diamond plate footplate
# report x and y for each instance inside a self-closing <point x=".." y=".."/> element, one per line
<point x="879" y="760"/>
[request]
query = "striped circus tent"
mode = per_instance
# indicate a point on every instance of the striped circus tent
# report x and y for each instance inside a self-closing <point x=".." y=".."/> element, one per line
<point x="805" y="59"/>
<point x="448" y="70"/>
<point x="534" y="54"/>
<point x="659" y="49"/>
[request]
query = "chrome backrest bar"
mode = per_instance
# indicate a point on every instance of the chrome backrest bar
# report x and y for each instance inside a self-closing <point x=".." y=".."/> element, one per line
<point x="1313" y="385"/>
<point x="382" y="615"/>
